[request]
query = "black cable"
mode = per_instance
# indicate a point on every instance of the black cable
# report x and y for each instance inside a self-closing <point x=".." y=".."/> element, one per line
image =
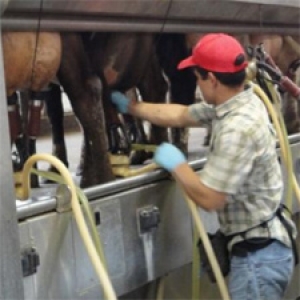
<point x="165" y="19"/>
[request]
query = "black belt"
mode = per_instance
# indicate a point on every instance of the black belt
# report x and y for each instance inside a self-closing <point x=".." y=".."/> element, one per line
<point x="241" y="249"/>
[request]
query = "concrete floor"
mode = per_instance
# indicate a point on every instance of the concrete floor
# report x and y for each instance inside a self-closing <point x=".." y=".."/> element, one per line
<point x="73" y="143"/>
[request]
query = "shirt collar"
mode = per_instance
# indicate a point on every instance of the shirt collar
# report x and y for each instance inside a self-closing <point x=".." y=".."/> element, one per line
<point x="233" y="103"/>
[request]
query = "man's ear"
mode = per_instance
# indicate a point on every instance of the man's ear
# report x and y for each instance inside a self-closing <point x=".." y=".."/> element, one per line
<point x="212" y="78"/>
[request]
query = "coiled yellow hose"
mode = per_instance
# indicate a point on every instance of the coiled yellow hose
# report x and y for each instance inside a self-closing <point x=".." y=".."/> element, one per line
<point x="82" y="227"/>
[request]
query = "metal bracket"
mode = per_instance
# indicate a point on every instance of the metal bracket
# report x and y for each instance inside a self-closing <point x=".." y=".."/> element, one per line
<point x="63" y="196"/>
<point x="30" y="260"/>
<point x="148" y="218"/>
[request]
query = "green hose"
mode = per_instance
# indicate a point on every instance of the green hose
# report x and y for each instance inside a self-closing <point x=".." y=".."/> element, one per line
<point x="86" y="207"/>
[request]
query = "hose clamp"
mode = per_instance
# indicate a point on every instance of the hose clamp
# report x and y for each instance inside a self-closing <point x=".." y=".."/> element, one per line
<point x="63" y="198"/>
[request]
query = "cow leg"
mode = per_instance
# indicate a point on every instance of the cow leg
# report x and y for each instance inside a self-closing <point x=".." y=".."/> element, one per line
<point x="33" y="129"/>
<point x="25" y="146"/>
<point x="55" y="112"/>
<point x="84" y="91"/>
<point x="16" y="132"/>
<point x="118" y="139"/>
<point x="153" y="88"/>
<point x="182" y="90"/>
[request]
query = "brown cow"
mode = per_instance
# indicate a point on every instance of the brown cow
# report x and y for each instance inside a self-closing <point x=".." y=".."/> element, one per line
<point x="30" y="62"/>
<point x="122" y="61"/>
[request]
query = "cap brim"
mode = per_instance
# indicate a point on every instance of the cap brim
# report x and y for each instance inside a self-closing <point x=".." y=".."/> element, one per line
<point x="186" y="63"/>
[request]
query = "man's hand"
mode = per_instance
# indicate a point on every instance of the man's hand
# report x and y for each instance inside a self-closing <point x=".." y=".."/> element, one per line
<point x="121" y="102"/>
<point x="168" y="156"/>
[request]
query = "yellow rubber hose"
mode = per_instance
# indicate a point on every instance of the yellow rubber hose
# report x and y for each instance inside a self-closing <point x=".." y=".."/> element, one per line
<point x="286" y="147"/>
<point x="161" y="288"/>
<point x="82" y="227"/>
<point x="125" y="171"/>
<point x="275" y="121"/>
<point x="208" y="248"/>
<point x="195" y="265"/>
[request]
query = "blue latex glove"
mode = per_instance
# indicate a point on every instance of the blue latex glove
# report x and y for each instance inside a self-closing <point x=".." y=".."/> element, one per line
<point x="121" y="101"/>
<point x="168" y="156"/>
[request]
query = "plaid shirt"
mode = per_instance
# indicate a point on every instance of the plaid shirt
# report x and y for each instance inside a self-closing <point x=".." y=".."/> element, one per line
<point x="242" y="162"/>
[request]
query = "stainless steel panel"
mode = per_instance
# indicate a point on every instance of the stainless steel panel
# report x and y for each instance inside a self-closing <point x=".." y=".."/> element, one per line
<point x="111" y="233"/>
<point x="66" y="271"/>
<point x="52" y="237"/>
<point x="154" y="15"/>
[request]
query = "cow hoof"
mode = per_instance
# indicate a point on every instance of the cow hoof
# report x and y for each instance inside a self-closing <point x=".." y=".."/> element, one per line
<point x="34" y="181"/>
<point x="139" y="157"/>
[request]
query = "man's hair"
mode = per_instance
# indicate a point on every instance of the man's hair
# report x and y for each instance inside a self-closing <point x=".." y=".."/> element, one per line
<point x="229" y="79"/>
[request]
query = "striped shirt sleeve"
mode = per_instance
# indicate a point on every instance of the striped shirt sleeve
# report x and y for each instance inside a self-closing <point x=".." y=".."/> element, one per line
<point x="202" y="112"/>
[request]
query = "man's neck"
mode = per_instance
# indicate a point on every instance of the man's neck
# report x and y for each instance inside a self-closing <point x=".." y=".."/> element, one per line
<point x="225" y="93"/>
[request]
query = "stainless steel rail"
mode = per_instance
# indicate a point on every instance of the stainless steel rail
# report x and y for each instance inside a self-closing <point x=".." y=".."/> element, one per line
<point x="236" y="16"/>
<point x="36" y="205"/>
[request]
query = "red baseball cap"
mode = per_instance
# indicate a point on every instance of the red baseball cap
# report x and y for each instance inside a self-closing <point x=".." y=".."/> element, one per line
<point x="217" y="52"/>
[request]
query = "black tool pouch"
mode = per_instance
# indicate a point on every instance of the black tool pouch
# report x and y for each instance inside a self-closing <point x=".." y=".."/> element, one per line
<point x="289" y="231"/>
<point x="219" y="244"/>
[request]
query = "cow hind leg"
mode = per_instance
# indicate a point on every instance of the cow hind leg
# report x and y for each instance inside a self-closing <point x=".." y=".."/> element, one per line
<point x="182" y="88"/>
<point x="55" y="112"/>
<point x="85" y="92"/>
<point x="153" y="88"/>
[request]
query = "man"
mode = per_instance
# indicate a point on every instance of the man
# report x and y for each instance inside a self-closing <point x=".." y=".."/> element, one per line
<point x="242" y="178"/>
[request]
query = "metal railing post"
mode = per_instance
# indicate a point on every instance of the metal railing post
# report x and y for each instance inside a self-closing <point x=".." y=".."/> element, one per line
<point x="11" y="280"/>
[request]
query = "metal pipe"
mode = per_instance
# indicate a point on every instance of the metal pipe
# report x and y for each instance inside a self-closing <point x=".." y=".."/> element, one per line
<point x="136" y="25"/>
<point x="232" y="16"/>
<point x="35" y="206"/>
<point x="293" y="139"/>
<point x="11" y="283"/>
